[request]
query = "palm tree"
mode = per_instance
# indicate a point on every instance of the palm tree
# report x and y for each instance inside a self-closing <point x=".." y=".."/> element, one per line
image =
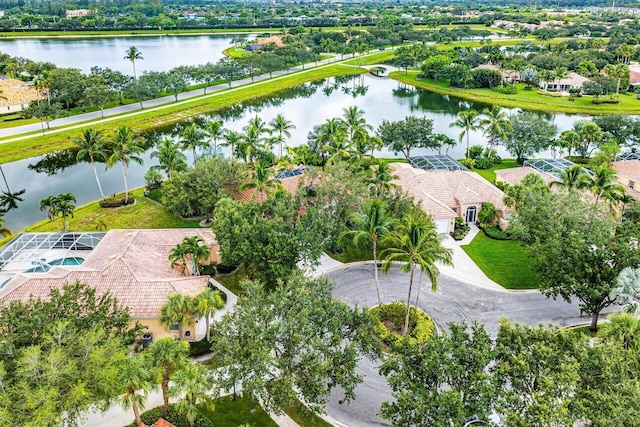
<point x="573" y="177"/>
<point x="135" y="378"/>
<point x="192" y="138"/>
<point x="283" y="127"/>
<point x="178" y="309"/>
<point x="627" y="290"/>
<point x="604" y="184"/>
<point x="91" y="146"/>
<point x="558" y="74"/>
<point x="617" y="72"/>
<point x="495" y="124"/>
<point x="571" y="140"/>
<point x="63" y="207"/>
<point x="416" y="243"/>
<point x="468" y="121"/>
<point x="165" y="356"/>
<point x="178" y="255"/>
<point x="169" y="156"/>
<point x="9" y="200"/>
<point x="370" y="226"/>
<point x="354" y="121"/>
<point x="382" y="177"/>
<point x="545" y="76"/>
<point x="125" y="146"/>
<point x="262" y="181"/>
<point x="133" y="54"/>
<point x="196" y="382"/>
<point x="216" y="131"/>
<point x="207" y="303"/>
<point x="3" y="230"/>
<point x="622" y="328"/>
<point x="196" y="249"/>
<point x="232" y="139"/>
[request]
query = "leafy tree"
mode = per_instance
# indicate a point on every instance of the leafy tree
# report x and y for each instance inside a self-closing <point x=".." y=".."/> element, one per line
<point x="98" y="93"/>
<point x="485" y="78"/>
<point x="135" y="380"/>
<point x="92" y="146"/>
<point x="468" y="121"/>
<point x="435" y="67"/>
<point x="44" y="112"/>
<point x="416" y="243"/>
<point x="442" y="383"/>
<point x="589" y="134"/>
<point x="125" y="146"/>
<point x="530" y="134"/>
<point x="294" y="341"/>
<point x="179" y="309"/>
<point x="617" y="126"/>
<point x="195" y="382"/>
<point x="369" y="226"/>
<point x="176" y="83"/>
<point x="405" y="135"/>
<point x="165" y="356"/>
<point x="66" y="85"/>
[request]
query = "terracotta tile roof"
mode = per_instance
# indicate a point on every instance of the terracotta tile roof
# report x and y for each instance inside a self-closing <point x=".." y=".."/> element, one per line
<point x="446" y="188"/>
<point x="291" y="184"/>
<point x="515" y="175"/>
<point x="162" y="423"/>
<point x="130" y="264"/>
<point x="629" y="169"/>
<point x="634" y="77"/>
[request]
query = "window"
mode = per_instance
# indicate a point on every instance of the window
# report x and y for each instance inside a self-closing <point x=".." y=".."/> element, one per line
<point x="632" y="184"/>
<point x="174" y="327"/>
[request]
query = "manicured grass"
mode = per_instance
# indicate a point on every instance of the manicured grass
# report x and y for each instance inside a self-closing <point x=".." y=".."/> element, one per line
<point x="304" y="416"/>
<point x="169" y="113"/>
<point x="232" y="281"/>
<point x="490" y="174"/>
<point x="91" y="217"/>
<point x="584" y="330"/>
<point x="352" y="255"/>
<point x="525" y="99"/>
<point x="374" y="58"/>
<point x="13" y="120"/>
<point x="506" y="262"/>
<point x="232" y="413"/>
<point x="235" y="52"/>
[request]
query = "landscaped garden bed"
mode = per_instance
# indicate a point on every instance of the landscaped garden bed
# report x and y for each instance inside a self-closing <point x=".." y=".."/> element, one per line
<point x="390" y="321"/>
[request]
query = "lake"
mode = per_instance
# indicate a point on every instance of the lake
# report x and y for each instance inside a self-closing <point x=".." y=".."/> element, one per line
<point x="306" y="106"/>
<point x="160" y="53"/>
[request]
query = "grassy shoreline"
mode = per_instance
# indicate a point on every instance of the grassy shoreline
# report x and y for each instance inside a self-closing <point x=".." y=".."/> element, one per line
<point x="60" y="139"/>
<point x="527" y="100"/>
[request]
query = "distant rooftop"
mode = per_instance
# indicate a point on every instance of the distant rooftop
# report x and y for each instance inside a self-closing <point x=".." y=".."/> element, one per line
<point x="436" y="162"/>
<point x="291" y="172"/>
<point x="628" y="156"/>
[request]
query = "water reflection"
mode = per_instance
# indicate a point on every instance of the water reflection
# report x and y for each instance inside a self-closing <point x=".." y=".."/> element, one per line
<point x="9" y="200"/>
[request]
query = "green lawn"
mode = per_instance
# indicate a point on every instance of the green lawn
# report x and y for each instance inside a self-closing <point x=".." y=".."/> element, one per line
<point x="232" y="281"/>
<point x="232" y="413"/>
<point x="235" y="52"/>
<point x="490" y="174"/>
<point x="525" y="99"/>
<point x="304" y="416"/>
<point x="504" y="261"/>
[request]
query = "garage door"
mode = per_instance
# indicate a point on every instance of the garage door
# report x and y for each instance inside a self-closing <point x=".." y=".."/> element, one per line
<point x="442" y="226"/>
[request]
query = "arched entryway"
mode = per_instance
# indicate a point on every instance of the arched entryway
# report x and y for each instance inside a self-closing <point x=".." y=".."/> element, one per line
<point x="471" y="214"/>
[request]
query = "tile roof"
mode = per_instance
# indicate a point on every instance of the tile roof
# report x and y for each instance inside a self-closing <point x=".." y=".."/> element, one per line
<point x="130" y="264"/>
<point x="440" y="191"/>
<point x="515" y="175"/>
<point x="291" y="184"/>
<point x="162" y="423"/>
<point x="628" y="168"/>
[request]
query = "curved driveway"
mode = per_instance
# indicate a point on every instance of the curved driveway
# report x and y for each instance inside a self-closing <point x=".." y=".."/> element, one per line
<point x="454" y="301"/>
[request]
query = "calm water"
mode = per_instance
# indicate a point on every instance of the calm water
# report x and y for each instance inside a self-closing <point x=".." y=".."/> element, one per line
<point x="160" y="53"/>
<point x="306" y="106"/>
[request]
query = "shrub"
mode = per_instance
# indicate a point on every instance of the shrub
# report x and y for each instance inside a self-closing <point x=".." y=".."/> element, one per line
<point x="484" y="78"/>
<point x="599" y="101"/>
<point x="153" y="179"/>
<point x="175" y="417"/>
<point x="199" y="347"/>
<point x="115" y="201"/>
<point x="155" y="194"/>
<point x="575" y="91"/>
<point x="475" y="151"/>
<point x="507" y="89"/>
<point x="226" y="269"/>
<point x="497" y="160"/>
<point x="483" y="163"/>
<point x="468" y="163"/>
<point x="487" y="214"/>
<point x="392" y="316"/>
<point x="460" y="229"/>
<point x="495" y="233"/>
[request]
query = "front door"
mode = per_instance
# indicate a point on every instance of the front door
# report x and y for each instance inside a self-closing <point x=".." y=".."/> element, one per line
<point x="471" y="214"/>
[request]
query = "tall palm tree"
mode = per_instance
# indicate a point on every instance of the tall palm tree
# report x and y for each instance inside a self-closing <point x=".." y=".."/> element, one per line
<point x="415" y="243"/>
<point x="207" y="303"/>
<point x="169" y="156"/>
<point x="192" y="137"/>
<point x="135" y="378"/>
<point x="196" y="382"/>
<point x="495" y="124"/>
<point x="261" y="181"/>
<point x="354" y="121"/>
<point x="627" y="290"/>
<point x="558" y="74"/>
<point x="9" y="200"/>
<point x="216" y="131"/>
<point x="178" y="255"/>
<point x="283" y="126"/>
<point x="178" y="309"/>
<point x="232" y="139"/>
<point x="573" y="177"/>
<point x="196" y="250"/>
<point x="382" y="177"/>
<point x="165" y="356"/>
<point x="125" y="146"/>
<point x="571" y="140"/>
<point x="468" y="121"/>
<point x="92" y="146"/>
<point x="616" y="72"/>
<point x="133" y="54"/>
<point x="368" y="227"/>
<point x="63" y="207"/>
<point x="604" y="184"/>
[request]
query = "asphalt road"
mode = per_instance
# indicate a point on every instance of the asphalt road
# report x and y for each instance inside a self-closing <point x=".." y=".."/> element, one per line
<point x="454" y="301"/>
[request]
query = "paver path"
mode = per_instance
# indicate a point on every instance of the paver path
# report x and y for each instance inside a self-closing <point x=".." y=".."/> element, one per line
<point x="455" y="301"/>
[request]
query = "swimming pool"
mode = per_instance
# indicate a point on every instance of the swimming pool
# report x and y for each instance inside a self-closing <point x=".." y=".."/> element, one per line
<point x="44" y="266"/>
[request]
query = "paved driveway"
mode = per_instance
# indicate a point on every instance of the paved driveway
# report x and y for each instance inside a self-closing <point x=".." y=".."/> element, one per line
<point x="454" y="301"/>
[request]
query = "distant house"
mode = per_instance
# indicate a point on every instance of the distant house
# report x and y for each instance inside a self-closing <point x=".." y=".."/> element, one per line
<point x="132" y="265"/>
<point x="572" y="81"/>
<point x="629" y="175"/>
<point x="509" y="75"/>
<point x="513" y="176"/>
<point x="634" y="75"/>
<point x="77" y="13"/>
<point x="447" y="194"/>
<point x="253" y="48"/>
